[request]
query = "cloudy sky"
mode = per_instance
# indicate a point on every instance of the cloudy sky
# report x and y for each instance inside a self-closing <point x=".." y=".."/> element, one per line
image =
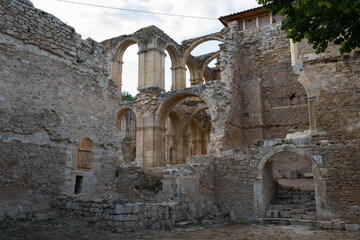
<point x="103" y="23"/>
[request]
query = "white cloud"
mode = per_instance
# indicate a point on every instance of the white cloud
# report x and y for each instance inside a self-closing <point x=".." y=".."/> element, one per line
<point x="102" y="23"/>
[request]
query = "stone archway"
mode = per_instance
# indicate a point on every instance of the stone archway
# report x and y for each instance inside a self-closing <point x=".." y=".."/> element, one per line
<point x="195" y="79"/>
<point x="264" y="186"/>
<point x="191" y="44"/>
<point x="203" y="74"/>
<point x="117" y="61"/>
<point x="178" y="72"/>
<point x="163" y="113"/>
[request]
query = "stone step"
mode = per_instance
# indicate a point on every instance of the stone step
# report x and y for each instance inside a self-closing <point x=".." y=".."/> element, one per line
<point x="291" y="202"/>
<point x="308" y="217"/>
<point x="298" y="211"/>
<point x="295" y="196"/>
<point x="287" y="221"/>
<point x="285" y="214"/>
<point x="285" y="206"/>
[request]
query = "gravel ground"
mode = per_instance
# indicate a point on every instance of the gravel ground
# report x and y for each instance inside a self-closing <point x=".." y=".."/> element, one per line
<point x="51" y="229"/>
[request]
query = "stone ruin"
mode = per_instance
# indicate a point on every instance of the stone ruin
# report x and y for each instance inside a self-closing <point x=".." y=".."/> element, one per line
<point x="272" y="132"/>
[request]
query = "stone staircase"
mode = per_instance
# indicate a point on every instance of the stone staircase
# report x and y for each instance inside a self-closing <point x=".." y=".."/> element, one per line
<point x="291" y="203"/>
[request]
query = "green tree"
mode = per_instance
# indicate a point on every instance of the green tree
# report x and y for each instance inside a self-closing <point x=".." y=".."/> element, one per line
<point x="126" y="96"/>
<point x="320" y="21"/>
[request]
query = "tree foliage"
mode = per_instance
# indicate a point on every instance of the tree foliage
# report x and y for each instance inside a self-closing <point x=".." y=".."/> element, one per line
<point x="320" y="21"/>
<point x="126" y="96"/>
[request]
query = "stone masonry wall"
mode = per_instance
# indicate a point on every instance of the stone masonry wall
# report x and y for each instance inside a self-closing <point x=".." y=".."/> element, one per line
<point x="122" y="217"/>
<point x="25" y="176"/>
<point x="234" y="174"/>
<point x="335" y="80"/>
<point x="54" y="93"/>
<point x="19" y="19"/>
<point x="273" y="102"/>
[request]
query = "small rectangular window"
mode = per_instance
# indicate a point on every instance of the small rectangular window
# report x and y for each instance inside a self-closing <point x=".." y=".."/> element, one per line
<point x="78" y="184"/>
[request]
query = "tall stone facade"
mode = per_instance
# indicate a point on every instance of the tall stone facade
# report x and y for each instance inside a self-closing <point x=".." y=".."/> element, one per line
<point x="270" y="112"/>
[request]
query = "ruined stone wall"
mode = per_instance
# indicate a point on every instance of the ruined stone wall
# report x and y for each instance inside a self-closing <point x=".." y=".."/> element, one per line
<point x="273" y="102"/>
<point x="30" y="174"/>
<point x="54" y="93"/>
<point x="290" y="166"/>
<point x="122" y="217"/>
<point x="233" y="186"/>
<point x="334" y="79"/>
<point x="342" y="168"/>
<point x="42" y="30"/>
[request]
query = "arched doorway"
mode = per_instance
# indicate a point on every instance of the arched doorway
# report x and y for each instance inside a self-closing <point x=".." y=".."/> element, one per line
<point x="289" y="185"/>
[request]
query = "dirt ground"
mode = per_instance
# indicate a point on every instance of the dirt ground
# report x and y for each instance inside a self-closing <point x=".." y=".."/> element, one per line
<point x="51" y="229"/>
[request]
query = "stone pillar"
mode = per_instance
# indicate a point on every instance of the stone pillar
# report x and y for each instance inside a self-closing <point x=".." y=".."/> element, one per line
<point x="312" y="118"/>
<point x="140" y="142"/>
<point x="178" y="78"/>
<point x="151" y="66"/>
<point x="227" y="63"/>
<point x="150" y="144"/>
<point x="148" y="147"/>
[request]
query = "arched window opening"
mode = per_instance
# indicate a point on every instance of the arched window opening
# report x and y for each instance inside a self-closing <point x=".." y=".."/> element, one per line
<point x="174" y="72"/>
<point x="192" y="74"/>
<point x="199" y="132"/>
<point x="211" y="70"/>
<point x="168" y="74"/>
<point x="188" y="78"/>
<point x="130" y="73"/>
<point x="206" y="47"/>
<point x="185" y="124"/>
<point x="201" y="63"/>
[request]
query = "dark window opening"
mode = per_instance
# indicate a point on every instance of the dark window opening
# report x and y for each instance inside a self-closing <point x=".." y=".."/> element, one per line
<point x="78" y="184"/>
<point x="292" y="96"/>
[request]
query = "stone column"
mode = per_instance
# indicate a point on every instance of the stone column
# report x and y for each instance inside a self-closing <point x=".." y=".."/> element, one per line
<point x="149" y="145"/>
<point x="150" y="135"/>
<point x="312" y="118"/>
<point x="178" y="78"/>
<point x="151" y="66"/>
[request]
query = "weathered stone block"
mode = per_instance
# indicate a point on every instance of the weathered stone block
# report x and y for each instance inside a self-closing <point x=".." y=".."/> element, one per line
<point x="285" y="214"/>
<point x="298" y="211"/>
<point x="272" y="213"/>
<point x="352" y="227"/>
<point x="308" y="217"/>
<point x="120" y="209"/>
<point x="296" y="216"/>
<point x="129" y="224"/>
